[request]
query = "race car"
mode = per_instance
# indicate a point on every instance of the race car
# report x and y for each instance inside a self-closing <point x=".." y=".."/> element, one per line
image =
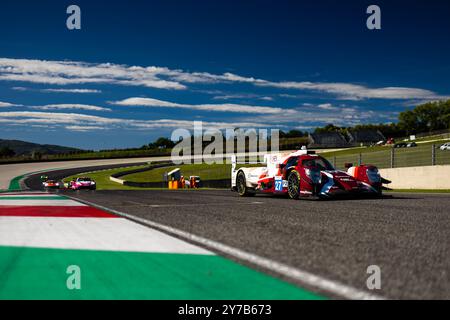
<point x="305" y="174"/>
<point x="52" y="184"/>
<point x="82" y="183"/>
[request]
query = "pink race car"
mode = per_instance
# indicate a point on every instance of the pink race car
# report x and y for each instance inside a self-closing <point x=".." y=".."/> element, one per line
<point x="82" y="183"/>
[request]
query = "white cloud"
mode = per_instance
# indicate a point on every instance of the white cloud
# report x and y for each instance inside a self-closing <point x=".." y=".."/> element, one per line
<point x="76" y="72"/>
<point x="72" y="90"/>
<point x="226" y="107"/>
<point x="84" y="128"/>
<point x="311" y="116"/>
<point x="242" y="96"/>
<point x="348" y="91"/>
<point x="344" y="91"/>
<point x="71" y="106"/>
<point x="53" y="90"/>
<point x="8" y="105"/>
<point x="42" y="126"/>
<point x="326" y="106"/>
<point x="20" y="88"/>
<point x="83" y="120"/>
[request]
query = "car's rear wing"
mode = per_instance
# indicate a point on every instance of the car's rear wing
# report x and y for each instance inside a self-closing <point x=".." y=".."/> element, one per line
<point x="234" y="162"/>
<point x="271" y="160"/>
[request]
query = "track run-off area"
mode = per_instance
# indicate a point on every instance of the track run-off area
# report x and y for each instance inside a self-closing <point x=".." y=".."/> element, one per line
<point x="212" y="244"/>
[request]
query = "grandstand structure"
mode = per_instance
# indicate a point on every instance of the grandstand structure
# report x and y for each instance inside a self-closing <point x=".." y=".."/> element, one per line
<point x="327" y="140"/>
<point x="339" y="140"/>
<point x="365" y="137"/>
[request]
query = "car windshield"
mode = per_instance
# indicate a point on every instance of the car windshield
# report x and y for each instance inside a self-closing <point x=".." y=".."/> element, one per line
<point x="320" y="163"/>
<point x="84" y="179"/>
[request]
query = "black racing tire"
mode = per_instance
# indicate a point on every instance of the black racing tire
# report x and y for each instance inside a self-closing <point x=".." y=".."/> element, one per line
<point x="241" y="186"/>
<point x="294" y="185"/>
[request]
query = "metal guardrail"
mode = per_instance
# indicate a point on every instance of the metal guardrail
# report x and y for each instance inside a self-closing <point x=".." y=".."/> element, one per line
<point x="397" y="157"/>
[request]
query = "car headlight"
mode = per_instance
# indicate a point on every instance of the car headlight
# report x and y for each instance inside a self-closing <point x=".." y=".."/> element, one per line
<point x="314" y="174"/>
<point x="92" y="183"/>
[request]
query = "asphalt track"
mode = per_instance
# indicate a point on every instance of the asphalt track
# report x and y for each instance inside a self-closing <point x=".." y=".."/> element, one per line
<point x="33" y="181"/>
<point x="406" y="235"/>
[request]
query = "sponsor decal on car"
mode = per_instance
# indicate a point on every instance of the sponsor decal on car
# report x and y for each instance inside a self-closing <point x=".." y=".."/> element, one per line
<point x="278" y="183"/>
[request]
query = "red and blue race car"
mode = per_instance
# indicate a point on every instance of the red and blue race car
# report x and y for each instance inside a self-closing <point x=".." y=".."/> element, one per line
<point x="52" y="184"/>
<point x="305" y="174"/>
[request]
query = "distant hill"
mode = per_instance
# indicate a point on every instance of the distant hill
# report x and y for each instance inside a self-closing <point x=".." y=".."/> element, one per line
<point x="27" y="148"/>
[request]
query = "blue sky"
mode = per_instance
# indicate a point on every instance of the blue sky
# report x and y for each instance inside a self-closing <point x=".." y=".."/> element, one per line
<point x="138" y="70"/>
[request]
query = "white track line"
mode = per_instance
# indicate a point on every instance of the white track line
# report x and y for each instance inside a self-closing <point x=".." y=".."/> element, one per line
<point x="27" y="194"/>
<point x="39" y="203"/>
<point x="305" y="277"/>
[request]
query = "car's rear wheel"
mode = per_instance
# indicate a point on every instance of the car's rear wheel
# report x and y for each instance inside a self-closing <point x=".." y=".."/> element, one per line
<point x="294" y="185"/>
<point x="241" y="185"/>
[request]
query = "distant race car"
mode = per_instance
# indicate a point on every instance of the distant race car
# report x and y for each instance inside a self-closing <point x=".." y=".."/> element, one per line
<point x="305" y="174"/>
<point x="52" y="184"/>
<point x="405" y="145"/>
<point x="400" y="145"/>
<point x="445" y="146"/>
<point x="83" y="183"/>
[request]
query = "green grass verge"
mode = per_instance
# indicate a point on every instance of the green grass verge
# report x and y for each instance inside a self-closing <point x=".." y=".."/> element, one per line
<point x="15" y="183"/>
<point x="206" y="172"/>
<point x="439" y="137"/>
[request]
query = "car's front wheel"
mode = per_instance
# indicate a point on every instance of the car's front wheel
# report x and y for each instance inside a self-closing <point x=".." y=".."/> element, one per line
<point x="294" y="185"/>
<point x="241" y="186"/>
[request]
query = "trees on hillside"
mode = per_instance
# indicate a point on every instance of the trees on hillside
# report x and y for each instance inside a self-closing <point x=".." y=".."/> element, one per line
<point x="427" y="117"/>
<point x="162" y="143"/>
<point x="293" y="134"/>
<point x="6" y="152"/>
<point x="431" y="116"/>
<point x="330" y="128"/>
